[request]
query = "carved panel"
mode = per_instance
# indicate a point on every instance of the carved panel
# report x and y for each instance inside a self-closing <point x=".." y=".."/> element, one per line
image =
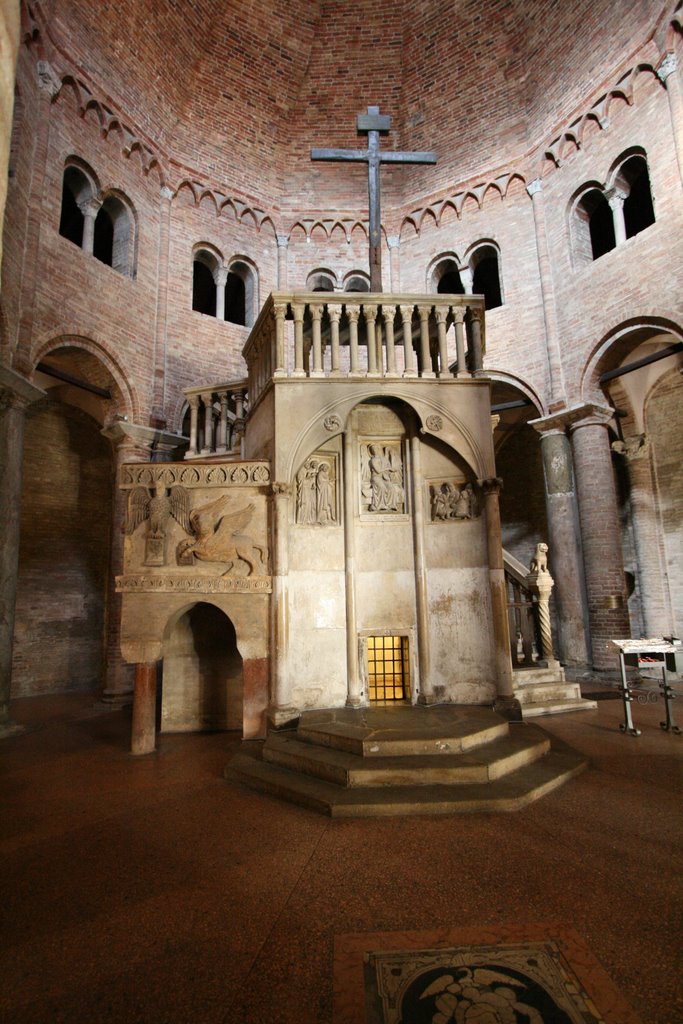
<point x="134" y="583"/>
<point x="214" y="474"/>
<point x="382" y="478"/>
<point x="317" y="491"/>
<point x="452" y="499"/>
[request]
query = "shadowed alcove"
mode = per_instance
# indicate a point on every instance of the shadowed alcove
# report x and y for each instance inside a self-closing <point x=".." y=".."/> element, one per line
<point x="202" y="673"/>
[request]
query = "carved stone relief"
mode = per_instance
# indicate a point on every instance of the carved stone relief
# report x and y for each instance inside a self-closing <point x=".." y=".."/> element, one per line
<point x="382" y="478"/>
<point x="316" y="491"/>
<point x="217" y="537"/>
<point x="156" y="509"/>
<point x="450" y="500"/>
<point x="144" y="474"/>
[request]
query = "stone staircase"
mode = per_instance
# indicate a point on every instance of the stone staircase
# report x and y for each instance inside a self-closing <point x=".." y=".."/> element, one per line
<point x="406" y="760"/>
<point x="546" y="691"/>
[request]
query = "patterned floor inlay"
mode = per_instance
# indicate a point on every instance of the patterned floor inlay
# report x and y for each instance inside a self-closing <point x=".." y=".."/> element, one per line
<point x="514" y="975"/>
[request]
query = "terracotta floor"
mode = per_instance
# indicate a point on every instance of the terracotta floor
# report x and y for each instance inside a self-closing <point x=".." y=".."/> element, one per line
<point x="150" y="890"/>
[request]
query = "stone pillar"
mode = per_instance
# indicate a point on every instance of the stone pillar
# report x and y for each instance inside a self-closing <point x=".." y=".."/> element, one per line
<point x="408" y="354"/>
<point x="427" y="695"/>
<point x="370" y="315"/>
<point x="131" y="443"/>
<point x="9" y="46"/>
<point x="282" y="249"/>
<point x="193" y="402"/>
<point x="506" y="702"/>
<point x="49" y="85"/>
<point x="600" y="532"/>
<point x="280" y="710"/>
<point x="458" y="319"/>
<point x="352" y="313"/>
<point x="425" y="354"/>
<point x="555" y="373"/>
<point x="220" y="276"/>
<point x="476" y="354"/>
<point x="444" y="371"/>
<point x="668" y="75"/>
<point x="334" y="313"/>
<point x="565" y="540"/>
<point x="316" y="311"/>
<point x="279" y="313"/>
<point x="89" y="208"/>
<point x="15" y="395"/>
<point x="355" y="696"/>
<point x="540" y="583"/>
<point x="615" y="198"/>
<point x="207" y="399"/>
<point x="388" y="313"/>
<point x="143" y="732"/>
<point x="394" y="243"/>
<point x="298" y="311"/>
<point x="654" y="600"/>
<point x="159" y="393"/>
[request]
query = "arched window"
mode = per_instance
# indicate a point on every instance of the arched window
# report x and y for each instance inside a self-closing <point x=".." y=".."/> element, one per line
<point x="321" y="281"/>
<point x="77" y="189"/>
<point x="634" y="180"/>
<point x="204" y="268"/>
<point x="593" y="226"/>
<point x="241" y="293"/>
<point x="356" y="281"/>
<point x="444" y="277"/>
<point x="486" y="275"/>
<point x="113" y="242"/>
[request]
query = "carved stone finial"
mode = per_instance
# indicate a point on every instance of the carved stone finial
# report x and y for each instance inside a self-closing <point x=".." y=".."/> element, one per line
<point x="539" y="562"/>
<point x="48" y="79"/>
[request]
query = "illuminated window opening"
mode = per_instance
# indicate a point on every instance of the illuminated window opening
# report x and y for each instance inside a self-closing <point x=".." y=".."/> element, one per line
<point x="388" y="669"/>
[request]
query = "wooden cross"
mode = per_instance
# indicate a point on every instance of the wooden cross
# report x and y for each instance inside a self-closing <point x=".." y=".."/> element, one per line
<point x="373" y="123"/>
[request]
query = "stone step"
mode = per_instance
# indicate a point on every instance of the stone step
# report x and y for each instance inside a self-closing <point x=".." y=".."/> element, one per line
<point x="523" y="676"/>
<point x="493" y="760"/>
<point x="535" y="693"/>
<point x="509" y="793"/>
<point x="534" y="710"/>
<point x="403" y="731"/>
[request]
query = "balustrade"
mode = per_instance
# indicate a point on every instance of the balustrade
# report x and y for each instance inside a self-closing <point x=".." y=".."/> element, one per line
<point x="374" y="335"/>
<point x="217" y="416"/>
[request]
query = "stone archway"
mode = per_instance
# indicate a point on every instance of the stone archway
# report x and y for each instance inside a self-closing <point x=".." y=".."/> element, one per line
<point x="202" y="688"/>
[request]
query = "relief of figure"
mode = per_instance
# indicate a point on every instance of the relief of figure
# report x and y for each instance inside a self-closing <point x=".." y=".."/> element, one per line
<point x="157" y="509"/>
<point x="464" y="507"/>
<point x="315" y="494"/>
<point x="386" y="479"/>
<point x="217" y="538"/>
<point x="448" y="502"/>
<point x="440" y="504"/>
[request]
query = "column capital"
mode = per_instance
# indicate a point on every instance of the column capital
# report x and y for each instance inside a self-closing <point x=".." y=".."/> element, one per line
<point x="281" y="490"/>
<point x="316" y="310"/>
<point x="220" y="276"/>
<point x="282" y="241"/>
<point x="667" y="67"/>
<point x="394" y="241"/>
<point x="90" y="206"/>
<point x="491" y="485"/>
<point x="615" y="196"/>
<point x="588" y="414"/>
<point x="166" y="193"/>
<point x="633" y="448"/>
<point x="16" y="391"/>
<point x="424" y="311"/>
<point x="535" y="187"/>
<point x="280" y="309"/>
<point x="370" y="313"/>
<point x="440" y="314"/>
<point x="458" y="314"/>
<point x="334" y="311"/>
<point x="353" y="312"/>
<point x="406" y="312"/>
<point x="48" y="79"/>
<point x="130" y="437"/>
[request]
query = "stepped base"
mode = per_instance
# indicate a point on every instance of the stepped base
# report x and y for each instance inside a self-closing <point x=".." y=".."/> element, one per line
<point x="398" y="761"/>
<point x="546" y="691"/>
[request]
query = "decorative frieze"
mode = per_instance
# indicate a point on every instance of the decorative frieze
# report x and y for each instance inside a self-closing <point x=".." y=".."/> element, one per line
<point x="229" y="474"/>
<point x="147" y="583"/>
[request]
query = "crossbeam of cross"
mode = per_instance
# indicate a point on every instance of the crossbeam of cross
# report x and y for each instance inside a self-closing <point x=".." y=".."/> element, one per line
<point x="374" y="123"/>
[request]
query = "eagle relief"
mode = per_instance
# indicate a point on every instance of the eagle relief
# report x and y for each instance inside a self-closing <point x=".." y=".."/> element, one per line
<point x="157" y="509"/>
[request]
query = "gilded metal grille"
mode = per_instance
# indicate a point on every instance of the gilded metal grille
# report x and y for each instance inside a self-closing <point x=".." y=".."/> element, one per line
<point x="388" y="675"/>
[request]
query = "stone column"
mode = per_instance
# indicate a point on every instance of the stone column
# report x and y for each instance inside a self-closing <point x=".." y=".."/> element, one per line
<point x="282" y="249"/>
<point x="565" y="540"/>
<point x="159" y="394"/>
<point x="425" y="354"/>
<point x="353" y="313"/>
<point x="615" y="198"/>
<point x="458" y="319"/>
<point x="441" y="315"/>
<point x="220" y="276"/>
<point x="555" y="374"/>
<point x="9" y="45"/>
<point x="355" y="696"/>
<point x="280" y="710"/>
<point x="427" y="695"/>
<point x="279" y="314"/>
<point x="668" y="75"/>
<point x="656" y="608"/>
<point x="16" y="394"/>
<point x="476" y="354"/>
<point x="408" y="354"/>
<point x="207" y="399"/>
<point x="506" y="703"/>
<point x="334" y="313"/>
<point x="143" y="732"/>
<point x="316" y="311"/>
<point x="193" y="402"/>
<point x="394" y="243"/>
<point x="388" y="313"/>
<point x="600" y="532"/>
<point x="89" y="208"/>
<point x="370" y="315"/>
<point x="131" y="443"/>
<point x="298" y="311"/>
<point x="49" y="85"/>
